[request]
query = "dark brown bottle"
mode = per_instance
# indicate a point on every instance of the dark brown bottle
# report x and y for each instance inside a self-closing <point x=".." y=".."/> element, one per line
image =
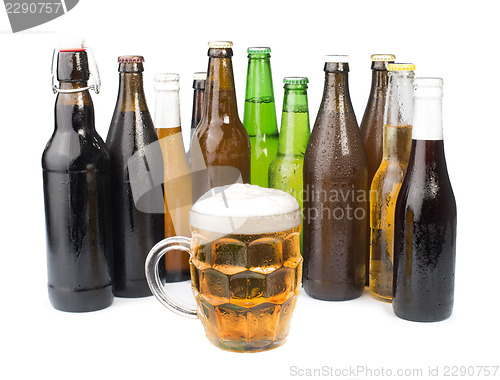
<point x="335" y="194"/>
<point x="372" y="124"/>
<point x="425" y="218"/>
<point x="76" y="170"/>
<point x="136" y="182"/>
<point x="199" y="82"/>
<point x="220" y="149"/>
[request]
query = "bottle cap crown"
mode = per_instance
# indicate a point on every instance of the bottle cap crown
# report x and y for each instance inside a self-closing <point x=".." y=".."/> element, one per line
<point x="295" y="80"/>
<point x="131" y="59"/>
<point x="259" y="50"/>
<point x="383" y="57"/>
<point x="401" y="67"/>
<point x="220" y="45"/>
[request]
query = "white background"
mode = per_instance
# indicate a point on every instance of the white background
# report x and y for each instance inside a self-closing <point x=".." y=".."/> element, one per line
<point x="138" y="338"/>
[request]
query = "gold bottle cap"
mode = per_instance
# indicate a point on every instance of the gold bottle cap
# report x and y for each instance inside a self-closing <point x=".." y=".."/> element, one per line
<point x="220" y="45"/>
<point x="383" y="57"/>
<point x="401" y="67"/>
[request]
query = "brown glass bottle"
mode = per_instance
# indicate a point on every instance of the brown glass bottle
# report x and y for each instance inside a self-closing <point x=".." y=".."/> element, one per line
<point x="136" y="182"/>
<point x="425" y="225"/>
<point x="220" y="149"/>
<point x="335" y="194"/>
<point x="199" y="82"/>
<point x="76" y="170"/>
<point x="372" y="124"/>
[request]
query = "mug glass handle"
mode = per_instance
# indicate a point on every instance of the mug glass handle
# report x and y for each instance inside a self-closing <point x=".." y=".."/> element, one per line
<point x="177" y="243"/>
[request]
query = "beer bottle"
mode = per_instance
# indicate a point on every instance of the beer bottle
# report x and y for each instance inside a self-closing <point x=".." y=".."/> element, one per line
<point x="372" y="123"/>
<point x="285" y="172"/>
<point x="220" y="149"/>
<point x="76" y="170"/>
<point x="136" y="179"/>
<point x="387" y="181"/>
<point x="199" y="81"/>
<point x="335" y="194"/>
<point x="177" y="178"/>
<point x="260" y="114"/>
<point x="426" y="217"/>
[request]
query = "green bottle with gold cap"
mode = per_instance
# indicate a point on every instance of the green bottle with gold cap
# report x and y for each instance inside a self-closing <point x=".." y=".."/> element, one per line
<point x="260" y="114"/>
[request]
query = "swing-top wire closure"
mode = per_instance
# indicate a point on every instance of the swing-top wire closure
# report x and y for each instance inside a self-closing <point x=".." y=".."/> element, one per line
<point x="94" y="73"/>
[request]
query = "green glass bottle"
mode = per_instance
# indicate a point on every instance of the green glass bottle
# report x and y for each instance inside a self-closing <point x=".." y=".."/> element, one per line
<point x="285" y="172"/>
<point x="260" y="114"/>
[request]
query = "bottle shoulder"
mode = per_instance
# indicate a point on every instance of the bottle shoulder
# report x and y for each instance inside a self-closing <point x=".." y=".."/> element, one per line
<point x="70" y="150"/>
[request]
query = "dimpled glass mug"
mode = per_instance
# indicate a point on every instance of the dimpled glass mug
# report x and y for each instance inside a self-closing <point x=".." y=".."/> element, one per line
<point x="246" y="266"/>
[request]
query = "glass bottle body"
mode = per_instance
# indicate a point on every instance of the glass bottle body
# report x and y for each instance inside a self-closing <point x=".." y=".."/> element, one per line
<point x="260" y="115"/>
<point x="76" y="175"/>
<point x="425" y="218"/>
<point x="136" y="178"/>
<point x="177" y="184"/>
<point x="220" y="149"/>
<point x="286" y="170"/>
<point x="387" y="181"/>
<point x="335" y="196"/>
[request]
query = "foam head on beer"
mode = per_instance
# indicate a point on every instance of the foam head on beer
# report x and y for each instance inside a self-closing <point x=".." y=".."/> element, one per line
<point x="245" y="209"/>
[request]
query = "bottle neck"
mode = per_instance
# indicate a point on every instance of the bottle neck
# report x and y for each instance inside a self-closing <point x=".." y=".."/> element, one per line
<point x="220" y="95"/>
<point x="336" y="92"/>
<point x="397" y="144"/>
<point x="427" y="118"/>
<point x="380" y="81"/>
<point x="259" y="79"/>
<point x="167" y="109"/>
<point x="198" y="100"/>
<point x="75" y="110"/>
<point x="399" y="102"/>
<point x="295" y="131"/>
<point x="131" y="93"/>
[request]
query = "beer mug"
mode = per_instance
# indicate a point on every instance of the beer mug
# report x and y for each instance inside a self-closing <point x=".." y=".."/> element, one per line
<point x="245" y="263"/>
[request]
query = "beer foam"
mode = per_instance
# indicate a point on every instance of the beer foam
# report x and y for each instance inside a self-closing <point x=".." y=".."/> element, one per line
<point x="245" y="209"/>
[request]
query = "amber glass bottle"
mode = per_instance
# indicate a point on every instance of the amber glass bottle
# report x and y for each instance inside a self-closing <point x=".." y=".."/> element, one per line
<point x="335" y="194"/>
<point x="220" y="149"/>
<point x="372" y="123"/>
<point x="177" y="184"/>
<point x="136" y="182"/>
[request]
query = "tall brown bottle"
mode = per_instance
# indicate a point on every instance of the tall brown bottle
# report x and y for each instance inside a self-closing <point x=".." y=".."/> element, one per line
<point x="335" y="194"/>
<point x="372" y="124"/>
<point x="220" y="149"/>
<point x="136" y="182"/>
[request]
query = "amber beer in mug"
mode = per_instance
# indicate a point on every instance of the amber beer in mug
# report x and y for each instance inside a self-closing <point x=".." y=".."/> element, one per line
<point x="245" y="262"/>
